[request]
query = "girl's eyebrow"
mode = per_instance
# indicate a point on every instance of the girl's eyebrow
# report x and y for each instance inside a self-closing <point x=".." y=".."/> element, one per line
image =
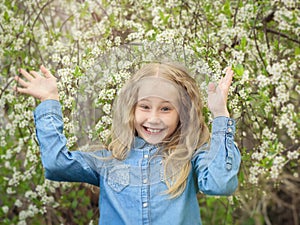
<point x="147" y="100"/>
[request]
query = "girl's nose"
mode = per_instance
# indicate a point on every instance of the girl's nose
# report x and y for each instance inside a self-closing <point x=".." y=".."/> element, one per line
<point x="154" y="117"/>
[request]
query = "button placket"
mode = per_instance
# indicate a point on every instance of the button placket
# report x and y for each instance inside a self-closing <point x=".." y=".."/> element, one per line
<point x="145" y="186"/>
<point x="229" y="162"/>
<point x="229" y="143"/>
<point x="230" y="127"/>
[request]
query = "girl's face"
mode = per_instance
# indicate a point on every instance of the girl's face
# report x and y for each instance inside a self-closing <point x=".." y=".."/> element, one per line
<point x="156" y="114"/>
<point x="155" y="119"/>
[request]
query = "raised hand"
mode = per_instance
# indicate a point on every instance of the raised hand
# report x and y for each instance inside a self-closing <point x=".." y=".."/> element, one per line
<point x="41" y="87"/>
<point x="217" y="95"/>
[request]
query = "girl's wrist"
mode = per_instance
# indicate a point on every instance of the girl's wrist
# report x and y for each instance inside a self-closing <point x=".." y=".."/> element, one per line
<point x="51" y="97"/>
<point x="218" y="114"/>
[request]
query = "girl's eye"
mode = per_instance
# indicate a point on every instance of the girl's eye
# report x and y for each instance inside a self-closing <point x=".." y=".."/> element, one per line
<point x="144" y="107"/>
<point x="165" y="109"/>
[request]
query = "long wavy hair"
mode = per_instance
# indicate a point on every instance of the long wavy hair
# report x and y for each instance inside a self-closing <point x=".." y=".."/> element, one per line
<point x="191" y="133"/>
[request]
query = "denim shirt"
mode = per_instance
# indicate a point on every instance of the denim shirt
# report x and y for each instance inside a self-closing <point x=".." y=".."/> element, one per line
<point x="132" y="190"/>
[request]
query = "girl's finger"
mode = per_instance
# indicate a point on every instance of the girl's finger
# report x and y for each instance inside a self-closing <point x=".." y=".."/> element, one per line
<point x="21" y="81"/>
<point x="229" y="74"/>
<point x="21" y="90"/>
<point x="45" y="72"/>
<point x="26" y="75"/>
<point x="227" y="79"/>
<point x="35" y="74"/>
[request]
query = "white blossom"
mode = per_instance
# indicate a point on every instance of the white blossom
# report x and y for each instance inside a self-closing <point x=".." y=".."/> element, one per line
<point x="293" y="155"/>
<point x="5" y="209"/>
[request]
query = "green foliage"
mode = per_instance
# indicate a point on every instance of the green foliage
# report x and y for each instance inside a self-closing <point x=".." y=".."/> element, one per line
<point x="238" y="71"/>
<point x="216" y="210"/>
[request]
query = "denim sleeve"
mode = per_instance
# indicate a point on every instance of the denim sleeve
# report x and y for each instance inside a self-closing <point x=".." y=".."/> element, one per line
<point x="217" y="163"/>
<point x="59" y="163"/>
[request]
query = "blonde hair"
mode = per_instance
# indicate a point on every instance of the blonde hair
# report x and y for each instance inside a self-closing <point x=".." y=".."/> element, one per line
<point x="192" y="132"/>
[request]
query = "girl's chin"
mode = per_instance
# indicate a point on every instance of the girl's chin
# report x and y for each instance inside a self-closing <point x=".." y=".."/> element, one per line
<point x="154" y="139"/>
<point x="153" y="142"/>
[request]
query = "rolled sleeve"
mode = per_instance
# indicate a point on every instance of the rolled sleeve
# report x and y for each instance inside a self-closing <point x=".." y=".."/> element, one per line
<point x="216" y="164"/>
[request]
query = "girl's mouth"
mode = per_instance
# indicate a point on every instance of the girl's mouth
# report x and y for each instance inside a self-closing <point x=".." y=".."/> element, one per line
<point x="152" y="130"/>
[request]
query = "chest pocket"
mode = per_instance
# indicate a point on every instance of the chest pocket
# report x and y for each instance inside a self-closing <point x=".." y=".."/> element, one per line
<point x="118" y="177"/>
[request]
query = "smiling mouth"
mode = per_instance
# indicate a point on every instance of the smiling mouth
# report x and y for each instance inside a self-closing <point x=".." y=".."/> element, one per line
<point x="152" y="130"/>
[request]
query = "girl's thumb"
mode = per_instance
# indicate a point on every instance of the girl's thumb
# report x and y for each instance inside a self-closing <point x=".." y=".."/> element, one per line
<point x="211" y="87"/>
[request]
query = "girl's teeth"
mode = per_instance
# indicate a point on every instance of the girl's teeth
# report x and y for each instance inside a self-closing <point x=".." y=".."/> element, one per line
<point x="153" y="130"/>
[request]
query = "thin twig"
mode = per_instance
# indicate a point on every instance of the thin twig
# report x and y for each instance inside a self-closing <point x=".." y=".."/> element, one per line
<point x="235" y="13"/>
<point x="40" y="12"/>
<point x="269" y="30"/>
<point x="256" y="44"/>
<point x="5" y="87"/>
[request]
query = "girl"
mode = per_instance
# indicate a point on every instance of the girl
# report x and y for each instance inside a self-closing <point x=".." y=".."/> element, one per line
<point x="160" y="152"/>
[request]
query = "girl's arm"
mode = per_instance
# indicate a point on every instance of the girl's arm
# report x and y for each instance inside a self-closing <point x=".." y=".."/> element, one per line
<point x="216" y="167"/>
<point x="59" y="163"/>
<point x="216" y="164"/>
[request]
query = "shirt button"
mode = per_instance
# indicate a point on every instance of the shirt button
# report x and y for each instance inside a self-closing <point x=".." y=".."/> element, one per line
<point x="229" y="130"/>
<point x="145" y="204"/>
<point x="228" y="166"/>
<point x="145" y="181"/>
<point x="146" y="156"/>
<point x="230" y="122"/>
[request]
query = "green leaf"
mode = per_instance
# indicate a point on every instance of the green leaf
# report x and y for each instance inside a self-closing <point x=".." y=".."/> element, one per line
<point x="297" y="51"/>
<point x="77" y="72"/>
<point x="90" y="214"/>
<point x="74" y="204"/>
<point x="6" y="16"/>
<point x="226" y="8"/>
<point x="238" y="70"/>
<point x="243" y="43"/>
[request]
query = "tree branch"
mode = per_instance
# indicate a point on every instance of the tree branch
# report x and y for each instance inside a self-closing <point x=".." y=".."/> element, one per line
<point x="269" y="30"/>
<point x="235" y="13"/>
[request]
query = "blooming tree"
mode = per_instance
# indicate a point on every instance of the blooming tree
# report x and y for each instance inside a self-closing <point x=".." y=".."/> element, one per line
<point x="93" y="47"/>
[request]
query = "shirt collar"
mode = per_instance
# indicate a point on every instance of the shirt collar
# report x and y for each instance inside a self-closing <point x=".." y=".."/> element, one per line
<point x="139" y="142"/>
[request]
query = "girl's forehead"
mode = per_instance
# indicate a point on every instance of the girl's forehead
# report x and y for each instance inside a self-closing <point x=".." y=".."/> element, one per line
<point x="158" y="87"/>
